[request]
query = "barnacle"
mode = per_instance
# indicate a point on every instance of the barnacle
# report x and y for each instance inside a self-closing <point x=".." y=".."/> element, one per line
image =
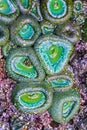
<point x="4" y="34"/>
<point x="23" y="65"/>
<point x="53" y="53"/>
<point x="47" y="27"/>
<point x="56" y="11"/>
<point x="32" y="97"/>
<point x="69" y="31"/>
<point x="25" y="31"/>
<point x="8" y="11"/>
<point x="63" y="81"/>
<point x="65" y="105"/>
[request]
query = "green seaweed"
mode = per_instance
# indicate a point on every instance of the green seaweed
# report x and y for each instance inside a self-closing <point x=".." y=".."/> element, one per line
<point x="53" y="52"/>
<point x="33" y="97"/>
<point x="56" y="11"/>
<point x="8" y="11"/>
<point x="25" y="31"/>
<point x="4" y="34"/>
<point x="84" y="30"/>
<point x="65" y="105"/>
<point x="23" y="65"/>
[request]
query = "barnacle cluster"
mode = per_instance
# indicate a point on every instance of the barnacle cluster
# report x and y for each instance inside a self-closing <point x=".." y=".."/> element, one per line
<point x="37" y="40"/>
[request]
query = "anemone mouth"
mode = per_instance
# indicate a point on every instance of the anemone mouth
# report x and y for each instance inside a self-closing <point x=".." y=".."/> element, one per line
<point x="65" y="105"/>
<point x="27" y="62"/>
<point x="26" y="31"/>
<point x="32" y="100"/>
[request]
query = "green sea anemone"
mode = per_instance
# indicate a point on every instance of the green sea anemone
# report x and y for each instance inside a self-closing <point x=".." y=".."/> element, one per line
<point x="8" y="11"/>
<point x="65" y="105"/>
<point x="56" y="11"/>
<point x="47" y="27"/>
<point x="63" y="81"/>
<point x="23" y="65"/>
<point x="32" y="97"/>
<point x="53" y="52"/>
<point x="25" y="31"/>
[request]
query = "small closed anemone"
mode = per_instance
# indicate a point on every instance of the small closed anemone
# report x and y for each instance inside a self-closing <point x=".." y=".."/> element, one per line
<point x="65" y="105"/>
<point x="23" y="65"/>
<point x="78" y="5"/>
<point x="62" y="82"/>
<point x="24" y="5"/>
<point x="33" y="97"/>
<point x="25" y="31"/>
<point x="4" y="34"/>
<point x="54" y="53"/>
<point x="30" y="7"/>
<point x="78" y="14"/>
<point x="47" y="27"/>
<point x="69" y="31"/>
<point x="56" y="11"/>
<point x="8" y="11"/>
<point x="35" y="10"/>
